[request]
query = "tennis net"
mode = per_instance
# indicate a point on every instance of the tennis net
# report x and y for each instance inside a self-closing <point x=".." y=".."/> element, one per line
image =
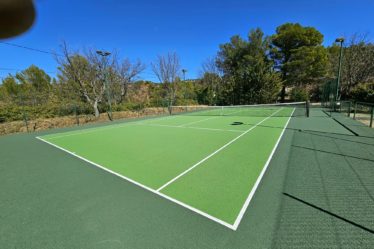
<point x="295" y="109"/>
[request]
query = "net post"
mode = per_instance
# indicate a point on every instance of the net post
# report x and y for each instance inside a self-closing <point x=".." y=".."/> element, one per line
<point x="349" y="109"/>
<point x="307" y="106"/>
<point x="354" y="112"/>
<point x="371" y="116"/>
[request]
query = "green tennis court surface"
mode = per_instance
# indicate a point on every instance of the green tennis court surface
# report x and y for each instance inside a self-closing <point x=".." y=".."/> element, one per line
<point x="206" y="163"/>
<point x="317" y="191"/>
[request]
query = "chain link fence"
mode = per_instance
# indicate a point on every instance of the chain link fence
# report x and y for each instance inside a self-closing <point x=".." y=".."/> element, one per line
<point x="360" y="111"/>
<point x="16" y="118"/>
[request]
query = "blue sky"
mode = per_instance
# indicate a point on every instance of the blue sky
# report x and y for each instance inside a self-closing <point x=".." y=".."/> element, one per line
<point x="194" y="29"/>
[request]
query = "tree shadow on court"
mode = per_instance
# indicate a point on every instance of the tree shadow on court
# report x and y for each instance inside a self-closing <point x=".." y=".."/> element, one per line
<point x="309" y="204"/>
<point x="333" y="153"/>
<point x="313" y="132"/>
<point x="321" y="205"/>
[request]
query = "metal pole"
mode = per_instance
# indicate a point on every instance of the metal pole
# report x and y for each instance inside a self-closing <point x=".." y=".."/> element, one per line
<point x="371" y="116"/>
<point x="76" y="114"/>
<point x="108" y="95"/>
<point x="104" y="54"/>
<point x="24" y="115"/>
<point x="341" y="40"/>
<point x="307" y="106"/>
<point x="25" y="121"/>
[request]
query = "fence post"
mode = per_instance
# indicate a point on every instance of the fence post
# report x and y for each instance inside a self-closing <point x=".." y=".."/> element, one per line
<point x="340" y="106"/>
<point x="24" y="115"/>
<point x="76" y="114"/>
<point x="25" y="121"/>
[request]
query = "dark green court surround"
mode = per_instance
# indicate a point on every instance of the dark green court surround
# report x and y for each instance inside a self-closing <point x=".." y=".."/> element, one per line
<point x="318" y="192"/>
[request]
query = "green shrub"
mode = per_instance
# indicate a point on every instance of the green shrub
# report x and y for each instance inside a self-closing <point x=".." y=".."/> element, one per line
<point x="364" y="92"/>
<point x="128" y="106"/>
<point x="299" y="94"/>
<point x="13" y="112"/>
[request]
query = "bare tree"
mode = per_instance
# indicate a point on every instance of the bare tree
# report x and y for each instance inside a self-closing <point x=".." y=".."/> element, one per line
<point x="167" y="70"/>
<point x="211" y="79"/>
<point x="127" y="72"/>
<point x="358" y="62"/>
<point x="85" y="73"/>
<point x="210" y="66"/>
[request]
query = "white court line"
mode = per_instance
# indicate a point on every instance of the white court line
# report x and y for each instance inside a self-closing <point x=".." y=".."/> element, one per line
<point x="241" y="214"/>
<point x="213" y="129"/>
<point x="215" y="152"/>
<point x="108" y="127"/>
<point x="198" y="121"/>
<point x="189" y="127"/>
<point x="143" y="186"/>
<point x="259" y="178"/>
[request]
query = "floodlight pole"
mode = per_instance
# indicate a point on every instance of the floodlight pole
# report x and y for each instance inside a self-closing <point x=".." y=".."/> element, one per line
<point x="184" y="71"/>
<point x="104" y="54"/>
<point x="341" y="40"/>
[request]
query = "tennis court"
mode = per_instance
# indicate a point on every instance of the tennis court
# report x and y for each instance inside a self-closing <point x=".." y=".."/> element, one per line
<point x="209" y="160"/>
<point x="318" y="183"/>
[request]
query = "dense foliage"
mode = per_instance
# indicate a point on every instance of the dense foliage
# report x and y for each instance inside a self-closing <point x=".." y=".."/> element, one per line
<point x="299" y="55"/>
<point x="290" y="65"/>
<point x="249" y="75"/>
